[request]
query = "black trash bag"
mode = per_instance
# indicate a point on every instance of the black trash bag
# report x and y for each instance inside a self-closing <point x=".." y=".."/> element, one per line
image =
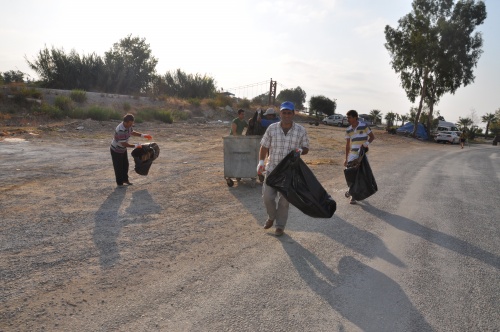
<point x="144" y="157"/>
<point x="297" y="183"/>
<point x="254" y="126"/>
<point x="359" y="177"/>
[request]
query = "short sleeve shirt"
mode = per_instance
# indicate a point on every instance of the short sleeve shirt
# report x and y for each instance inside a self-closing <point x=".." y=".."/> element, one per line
<point x="122" y="135"/>
<point x="280" y="145"/>
<point x="357" y="136"/>
<point x="240" y="125"/>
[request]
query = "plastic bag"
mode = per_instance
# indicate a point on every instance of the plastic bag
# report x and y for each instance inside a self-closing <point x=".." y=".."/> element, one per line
<point x="297" y="183"/>
<point x="359" y="177"/>
<point x="144" y="157"/>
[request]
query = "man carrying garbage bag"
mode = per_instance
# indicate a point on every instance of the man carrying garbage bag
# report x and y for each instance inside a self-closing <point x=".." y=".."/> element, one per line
<point x="358" y="137"/>
<point x="279" y="139"/>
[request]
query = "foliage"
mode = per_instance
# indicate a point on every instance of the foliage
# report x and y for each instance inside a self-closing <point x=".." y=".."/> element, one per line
<point x="182" y="85"/>
<point x="78" y="96"/>
<point x="59" y="70"/>
<point x="390" y="117"/>
<point x="126" y="106"/>
<point x="102" y="113"/>
<point x="63" y="103"/>
<point x="433" y="49"/>
<point x="403" y="119"/>
<point x="322" y="104"/>
<point x="464" y="123"/>
<point x="489" y="118"/>
<point x="376" y="116"/>
<point x="51" y="111"/>
<point x="220" y="101"/>
<point x="243" y="103"/>
<point x="129" y="66"/>
<point x="262" y="99"/>
<point x="296" y="96"/>
<point x="154" y="114"/>
<point x="12" y="76"/>
<point x="194" y="101"/>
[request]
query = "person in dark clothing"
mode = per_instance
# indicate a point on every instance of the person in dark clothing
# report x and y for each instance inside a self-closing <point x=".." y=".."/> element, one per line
<point x="119" y="146"/>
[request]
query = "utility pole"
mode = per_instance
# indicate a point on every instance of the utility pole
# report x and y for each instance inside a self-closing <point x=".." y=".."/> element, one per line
<point x="272" y="92"/>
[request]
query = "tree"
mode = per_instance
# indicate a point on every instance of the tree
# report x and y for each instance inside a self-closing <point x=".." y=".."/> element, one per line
<point x="178" y="83"/>
<point x="390" y="117"/>
<point x="296" y="96"/>
<point x="464" y="123"/>
<point x="403" y="118"/>
<point x="130" y="66"/>
<point x="375" y="116"/>
<point x="68" y="71"/>
<point x="489" y="118"/>
<point x="433" y="49"/>
<point x="12" y="76"/>
<point x="322" y="104"/>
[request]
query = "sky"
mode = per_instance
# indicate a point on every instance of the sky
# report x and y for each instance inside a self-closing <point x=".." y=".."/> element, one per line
<point x="331" y="48"/>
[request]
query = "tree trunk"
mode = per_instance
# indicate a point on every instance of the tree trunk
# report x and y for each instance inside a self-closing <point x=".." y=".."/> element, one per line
<point x="422" y="96"/>
<point x="429" y="119"/>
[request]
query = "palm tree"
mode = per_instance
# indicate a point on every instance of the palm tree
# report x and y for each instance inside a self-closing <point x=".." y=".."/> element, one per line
<point x="464" y="123"/>
<point x="376" y="115"/>
<point x="390" y="117"/>
<point x="404" y="118"/>
<point x="489" y="118"/>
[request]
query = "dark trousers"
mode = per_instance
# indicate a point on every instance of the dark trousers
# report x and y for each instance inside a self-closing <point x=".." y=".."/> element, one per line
<point x="120" y="164"/>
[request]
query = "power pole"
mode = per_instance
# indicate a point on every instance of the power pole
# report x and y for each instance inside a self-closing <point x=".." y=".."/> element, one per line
<point x="272" y="92"/>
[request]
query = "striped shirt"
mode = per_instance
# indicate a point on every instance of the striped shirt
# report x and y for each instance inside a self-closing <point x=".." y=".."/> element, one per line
<point x="357" y="136"/>
<point x="280" y="145"/>
<point x="122" y="135"/>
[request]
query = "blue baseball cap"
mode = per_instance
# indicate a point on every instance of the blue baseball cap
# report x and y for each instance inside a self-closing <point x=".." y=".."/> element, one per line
<point x="287" y="105"/>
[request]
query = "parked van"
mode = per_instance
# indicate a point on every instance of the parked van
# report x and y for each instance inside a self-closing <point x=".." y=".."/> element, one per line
<point x="336" y="120"/>
<point x="446" y="126"/>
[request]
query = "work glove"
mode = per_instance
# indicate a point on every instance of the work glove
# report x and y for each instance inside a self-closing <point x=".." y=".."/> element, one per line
<point x="137" y="146"/>
<point x="260" y="167"/>
<point x="149" y="137"/>
<point x="299" y="151"/>
<point x="365" y="144"/>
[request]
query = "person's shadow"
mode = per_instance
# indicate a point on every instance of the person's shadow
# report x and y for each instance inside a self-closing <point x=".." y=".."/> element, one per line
<point x="366" y="297"/>
<point x="108" y="222"/>
<point x="439" y="238"/>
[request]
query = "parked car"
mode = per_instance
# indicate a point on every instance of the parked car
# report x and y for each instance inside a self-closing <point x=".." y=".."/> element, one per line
<point x="336" y="120"/>
<point x="447" y="137"/>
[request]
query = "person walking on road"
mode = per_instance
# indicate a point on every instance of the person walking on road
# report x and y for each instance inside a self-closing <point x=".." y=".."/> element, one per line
<point x="119" y="146"/>
<point x="279" y="139"/>
<point x="357" y="134"/>
<point x="463" y="137"/>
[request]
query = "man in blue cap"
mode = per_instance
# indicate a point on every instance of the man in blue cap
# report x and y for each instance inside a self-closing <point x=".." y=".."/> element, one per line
<point x="279" y="139"/>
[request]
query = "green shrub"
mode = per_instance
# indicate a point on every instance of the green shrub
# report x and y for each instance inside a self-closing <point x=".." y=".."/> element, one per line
<point x="78" y="96"/>
<point x="164" y="116"/>
<point x="63" y="103"/>
<point x="101" y="113"/>
<point x="180" y="115"/>
<point x="194" y="101"/>
<point x="51" y="111"/>
<point x="126" y="106"/>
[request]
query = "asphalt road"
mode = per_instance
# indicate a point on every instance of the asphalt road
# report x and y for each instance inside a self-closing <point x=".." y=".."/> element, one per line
<point x="422" y="254"/>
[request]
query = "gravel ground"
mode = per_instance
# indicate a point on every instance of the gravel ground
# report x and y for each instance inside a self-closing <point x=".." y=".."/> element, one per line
<point x="78" y="253"/>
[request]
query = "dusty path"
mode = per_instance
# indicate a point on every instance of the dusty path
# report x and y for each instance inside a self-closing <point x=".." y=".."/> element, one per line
<point x="78" y="253"/>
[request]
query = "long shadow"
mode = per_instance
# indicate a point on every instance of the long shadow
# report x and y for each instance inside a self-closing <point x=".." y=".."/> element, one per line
<point x="107" y="228"/>
<point x="352" y="237"/>
<point x="357" y="239"/>
<point x="366" y="297"/>
<point x="439" y="238"/>
<point x="108" y="222"/>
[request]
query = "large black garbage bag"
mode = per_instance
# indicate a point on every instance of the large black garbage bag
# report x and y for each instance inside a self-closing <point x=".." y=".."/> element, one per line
<point x="144" y="157"/>
<point x="294" y="180"/>
<point x="254" y="126"/>
<point x="359" y="177"/>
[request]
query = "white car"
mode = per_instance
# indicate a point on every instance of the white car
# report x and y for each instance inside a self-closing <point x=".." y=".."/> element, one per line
<point x="447" y="137"/>
<point x="336" y="120"/>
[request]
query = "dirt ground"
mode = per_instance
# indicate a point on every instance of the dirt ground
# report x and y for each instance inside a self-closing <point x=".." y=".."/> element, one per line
<point x="75" y="248"/>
